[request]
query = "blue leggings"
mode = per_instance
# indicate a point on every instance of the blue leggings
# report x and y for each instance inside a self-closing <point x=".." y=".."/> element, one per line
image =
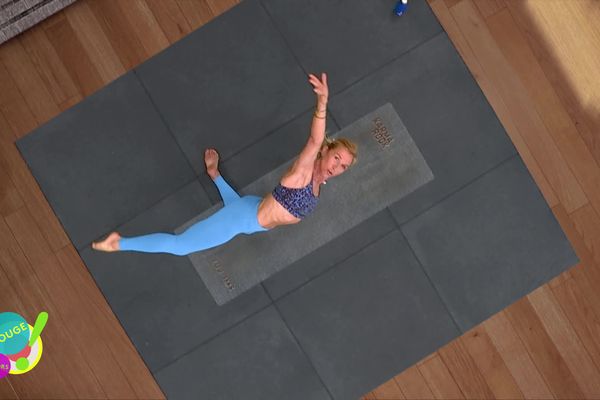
<point x="239" y="215"/>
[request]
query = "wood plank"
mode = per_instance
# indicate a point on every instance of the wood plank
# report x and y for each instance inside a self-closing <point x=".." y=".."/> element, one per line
<point x="74" y="309"/>
<point x="109" y="328"/>
<point x="566" y="340"/>
<point x="547" y="103"/>
<point x="439" y="380"/>
<point x="490" y="364"/>
<point x="10" y="200"/>
<point x="196" y="12"/>
<point x="494" y="98"/>
<point x="429" y="357"/>
<point x="560" y="279"/>
<point x="582" y="316"/>
<point x="48" y="64"/>
<point x="218" y="7"/>
<point x="170" y="18"/>
<point x="516" y="358"/>
<point x="6" y="388"/>
<point x="28" y="81"/>
<point x="542" y="350"/>
<point x="369" y="396"/>
<point x="94" y="42"/>
<point x="120" y="33"/>
<point x="587" y="225"/>
<point x="452" y="3"/>
<point x="14" y="166"/>
<point x="580" y="299"/>
<point x="412" y="384"/>
<point x="13" y="106"/>
<point x="144" y="26"/>
<point x="520" y="105"/>
<point x="24" y="294"/>
<point x="587" y="272"/>
<point x="65" y="105"/>
<point x="464" y="371"/>
<point x="388" y="391"/>
<point x="74" y="56"/>
<point x="569" y="53"/>
<point x="29" y="236"/>
<point x="488" y="8"/>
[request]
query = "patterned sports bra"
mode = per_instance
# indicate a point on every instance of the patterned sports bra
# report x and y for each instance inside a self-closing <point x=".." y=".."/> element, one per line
<point x="298" y="201"/>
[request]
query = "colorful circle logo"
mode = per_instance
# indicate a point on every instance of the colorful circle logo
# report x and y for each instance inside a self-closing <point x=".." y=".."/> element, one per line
<point x="14" y="333"/>
<point x="20" y="343"/>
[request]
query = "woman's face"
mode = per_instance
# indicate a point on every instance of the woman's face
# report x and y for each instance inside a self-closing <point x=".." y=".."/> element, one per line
<point x="335" y="162"/>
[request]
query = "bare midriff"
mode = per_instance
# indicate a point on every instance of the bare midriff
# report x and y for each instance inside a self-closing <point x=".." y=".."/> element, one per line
<point x="271" y="213"/>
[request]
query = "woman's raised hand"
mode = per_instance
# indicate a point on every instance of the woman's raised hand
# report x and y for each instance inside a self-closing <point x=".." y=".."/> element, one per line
<point x="320" y="86"/>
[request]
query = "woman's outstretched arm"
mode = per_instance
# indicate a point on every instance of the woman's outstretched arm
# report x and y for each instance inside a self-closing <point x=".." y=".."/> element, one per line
<point x="317" y="131"/>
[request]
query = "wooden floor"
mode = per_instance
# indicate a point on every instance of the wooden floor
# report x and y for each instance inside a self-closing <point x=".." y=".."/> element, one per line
<point x="537" y="61"/>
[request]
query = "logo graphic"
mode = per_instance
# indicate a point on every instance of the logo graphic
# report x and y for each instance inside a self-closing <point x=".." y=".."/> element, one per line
<point x="20" y="343"/>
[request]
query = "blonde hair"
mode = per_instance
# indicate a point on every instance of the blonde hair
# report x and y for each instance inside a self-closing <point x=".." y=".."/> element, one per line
<point x="341" y="142"/>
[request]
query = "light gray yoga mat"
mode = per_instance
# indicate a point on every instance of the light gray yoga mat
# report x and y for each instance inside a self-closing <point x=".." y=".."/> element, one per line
<point x="390" y="166"/>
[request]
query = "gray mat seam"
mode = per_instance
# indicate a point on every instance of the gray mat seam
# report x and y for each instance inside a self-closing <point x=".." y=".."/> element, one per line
<point x="301" y="348"/>
<point x="382" y="66"/>
<point x="291" y="50"/>
<point x="417" y="258"/>
<point x="516" y="154"/>
<point x="333" y="266"/>
<point x="281" y="35"/>
<point x="430" y="281"/>
<point x="208" y="340"/>
<point x="164" y="121"/>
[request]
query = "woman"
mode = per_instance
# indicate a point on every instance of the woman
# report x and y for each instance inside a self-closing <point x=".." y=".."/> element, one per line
<point x="293" y="199"/>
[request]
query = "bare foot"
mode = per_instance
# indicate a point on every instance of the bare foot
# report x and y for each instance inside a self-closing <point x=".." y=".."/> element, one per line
<point x="211" y="159"/>
<point x="111" y="243"/>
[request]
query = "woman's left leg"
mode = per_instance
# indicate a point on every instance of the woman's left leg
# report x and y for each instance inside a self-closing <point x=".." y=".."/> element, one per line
<point x="228" y="194"/>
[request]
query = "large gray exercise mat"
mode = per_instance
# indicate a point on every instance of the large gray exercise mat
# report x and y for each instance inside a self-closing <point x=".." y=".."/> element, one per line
<point x="390" y="167"/>
<point x="478" y="236"/>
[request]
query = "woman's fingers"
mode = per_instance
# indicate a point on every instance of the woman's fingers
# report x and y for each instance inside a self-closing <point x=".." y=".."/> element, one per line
<point x="323" y="77"/>
<point x="320" y="86"/>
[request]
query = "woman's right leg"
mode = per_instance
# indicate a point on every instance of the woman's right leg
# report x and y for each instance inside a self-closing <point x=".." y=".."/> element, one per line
<point x="237" y="217"/>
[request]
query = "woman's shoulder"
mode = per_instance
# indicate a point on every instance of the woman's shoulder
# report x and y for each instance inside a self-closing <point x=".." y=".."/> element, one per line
<point x="296" y="177"/>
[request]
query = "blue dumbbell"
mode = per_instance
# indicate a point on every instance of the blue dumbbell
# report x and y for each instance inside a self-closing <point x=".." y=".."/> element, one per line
<point x="401" y="7"/>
